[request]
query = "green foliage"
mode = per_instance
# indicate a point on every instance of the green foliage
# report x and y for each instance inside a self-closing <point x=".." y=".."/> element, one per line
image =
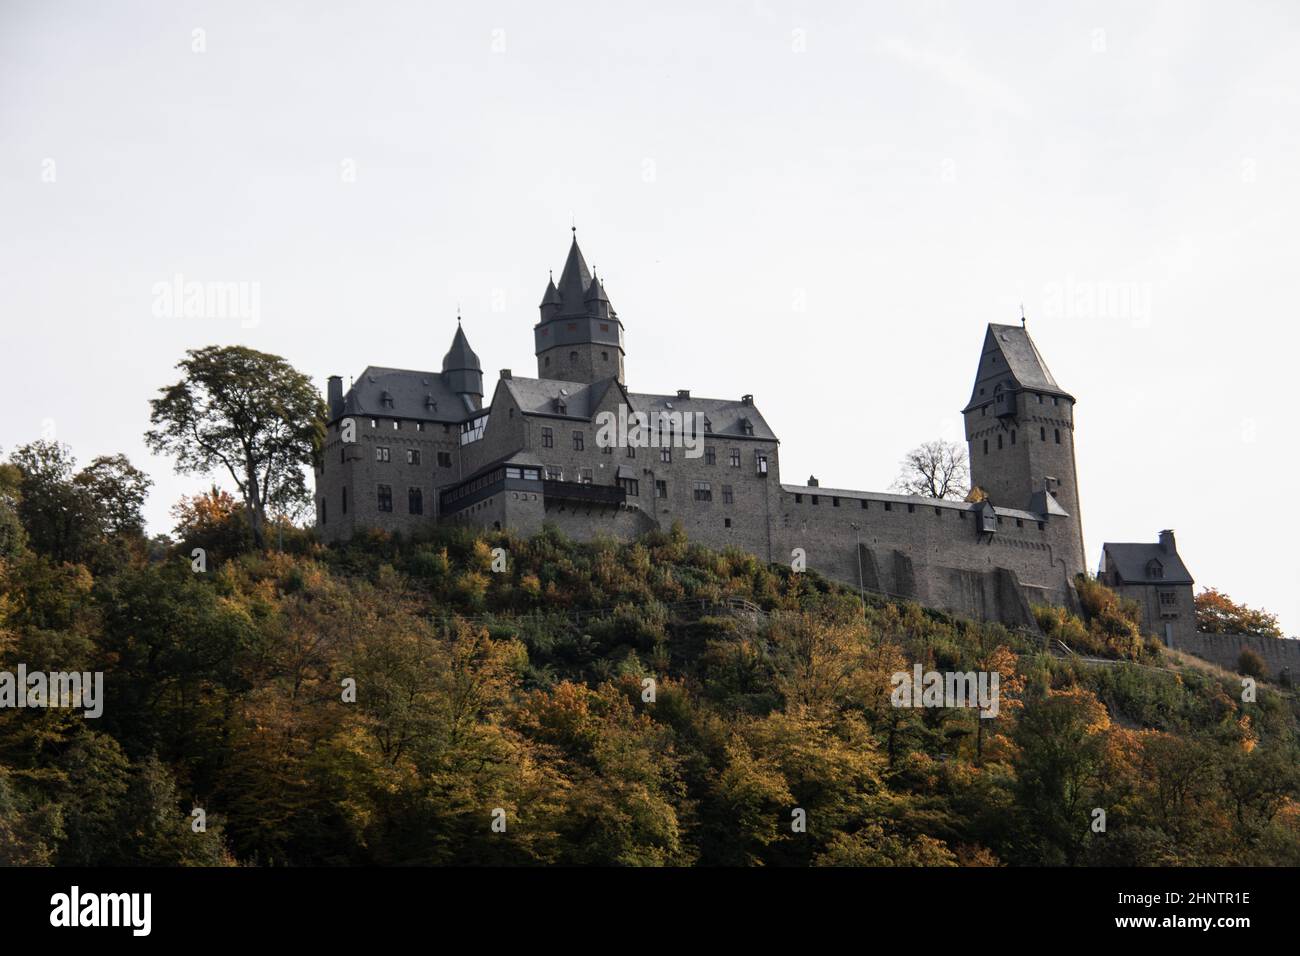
<point x="597" y="704"/>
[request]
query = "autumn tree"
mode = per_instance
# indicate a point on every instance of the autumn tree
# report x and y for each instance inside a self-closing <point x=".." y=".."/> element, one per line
<point x="936" y="469"/>
<point x="248" y="412"/>
<point x="1216" y="613"/>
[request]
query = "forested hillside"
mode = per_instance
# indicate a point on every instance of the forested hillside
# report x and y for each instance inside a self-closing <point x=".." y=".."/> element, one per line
<point x="401" y="702"/>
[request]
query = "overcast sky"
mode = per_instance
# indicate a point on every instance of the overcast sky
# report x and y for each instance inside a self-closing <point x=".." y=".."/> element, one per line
<point x="819" y="203"/>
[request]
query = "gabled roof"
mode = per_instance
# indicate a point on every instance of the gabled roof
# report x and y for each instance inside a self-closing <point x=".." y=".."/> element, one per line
<point x="724" y="415"/>
<point x="410" y="392"/>
<point x="537" y="396"/>
<point x="1011" y="359"/>
<point x="1129" y="562"/>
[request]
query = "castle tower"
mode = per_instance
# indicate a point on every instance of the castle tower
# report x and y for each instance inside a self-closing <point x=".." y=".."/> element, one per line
<point x="579" y="337"/>
<point x="1020" y="433"/>
<point x="462" y="371"/>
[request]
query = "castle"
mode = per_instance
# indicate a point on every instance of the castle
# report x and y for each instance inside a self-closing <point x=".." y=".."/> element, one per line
<point x="575" y="448"/>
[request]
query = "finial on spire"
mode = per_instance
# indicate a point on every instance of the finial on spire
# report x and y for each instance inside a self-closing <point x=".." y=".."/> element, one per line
<point x="1022" y="315"/>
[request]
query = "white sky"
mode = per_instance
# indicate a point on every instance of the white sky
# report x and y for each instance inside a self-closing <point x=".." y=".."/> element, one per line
<point x="820" y="203"/>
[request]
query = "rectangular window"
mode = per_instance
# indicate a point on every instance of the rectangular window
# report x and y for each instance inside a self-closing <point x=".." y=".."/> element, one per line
<point x="798" y="498"/>
<point x="760" y="463"/>
<point x="578" y="439"/>
<point x="703" y="491"/>
<point x="710" y="455"/>
<point x="444" y="459"/>
<point x="554" y="473"/>
<point x="835" y="501"/>
<point x="584" y="475"/>
<point x="666" y="455"/>
<point x="322" y="511"/>
<point x="661" y="489"/>
<point x="607" y="450"/>
<point x="548" y="438"/>
<point x="735" y="458"/>
<point x="415" y="501"/>
<point x="381" y="453"/>
<point x="412" y="456"/>
<point x="385" y="497"/>
<point x="631" y="451"/>
<point x="631" y="486"/>
<point x="1168" y="599"/>
<point x="727" y="497"/>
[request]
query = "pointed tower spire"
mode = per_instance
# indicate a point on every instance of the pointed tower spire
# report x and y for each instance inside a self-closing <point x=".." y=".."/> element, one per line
<point x="580" y="336"/>
<point x="461" y="369"/>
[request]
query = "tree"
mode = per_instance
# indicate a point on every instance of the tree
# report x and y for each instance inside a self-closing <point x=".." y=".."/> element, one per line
<point x="69" y="515"/>
<point x="1216" y="613"/>
<point x="249" y="412"/>
<point x="937" y="469"/>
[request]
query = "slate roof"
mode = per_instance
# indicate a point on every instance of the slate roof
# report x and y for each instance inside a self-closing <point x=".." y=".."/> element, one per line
<point x="1129" y="561"/>
<point x="575" y="280"/>
<point x="460" y="356"/>
<point x="1010" y="357"/>
<point x="409" y="390"/>
<point x="536" y="396"/>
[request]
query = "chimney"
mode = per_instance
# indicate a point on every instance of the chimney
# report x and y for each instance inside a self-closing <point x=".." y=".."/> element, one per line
<point x="683" y="393"/>
<point x="335" y="395"/>
<point x="747" y="399"/>
<point x="505" y="374"/>
<point x="1167" y="544"/>
<point x="812" y="481"/>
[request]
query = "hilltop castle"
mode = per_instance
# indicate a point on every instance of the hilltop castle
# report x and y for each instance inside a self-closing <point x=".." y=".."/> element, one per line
<point x="576" y="448"/>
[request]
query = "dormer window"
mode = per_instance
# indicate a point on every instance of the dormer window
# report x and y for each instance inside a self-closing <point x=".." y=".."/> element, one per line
<point x="1155" y="569"/>
<point x="746" y="426"/>
<point x="429" y="403"/>
<point x="708" y="426"/>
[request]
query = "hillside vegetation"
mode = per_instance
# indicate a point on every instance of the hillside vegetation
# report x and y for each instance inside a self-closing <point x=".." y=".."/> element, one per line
<point x="489" y="697"/>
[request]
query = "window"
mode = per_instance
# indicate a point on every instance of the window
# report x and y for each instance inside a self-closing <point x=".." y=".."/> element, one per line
<point x="703" y="491"/>
<point x="604" y="356"/>
<point x="1168" y="599"/>
<point x="396" y="425"/>
<point x="835" y="501"/>
<point x="419" y="426"/>
<point x="1040" y="399"/>
<point x="984" y="410"/>
<point x="554" y="473"/>
<point x="415" y="501"/>
<point x="345" y="500"/>
<point x="1155" y="569"/>
<point x="666" y="455"/>
<point x="1042" y="431"/>
<point x="747" y="426"/>
<point x="573" y="356"/>
<point x="889" y="506"/>
<point x="412" y="456"/>
<point x="726" y="522"/>
<point x="548" y="438"/>
<point x="798" y="498"/>
<point x="986" y="446"/>
<point x="911" y="509"/>
<point x="631" y="486"/>
<point x="1058" y="436"/>
<point x="444" y="459"/>
<point x="584" y="475"/>
<point x="816" y="499"/>
<point x="604" y="326"/>
<point x="387" y="399"/>
<point x="578" y="439"/>
<point x="728" y="498"/>
<point x="381" y="453"/>
<point x="374" y="423"/>
<point x="1013" y="436"/>
<point x="760" y="463"/>
<point x="999" y="443"/>
<point x="864" y="504"/>
<point x="710" y="455"/>
<point x="735" y="458"/>
<point x="708" y="426"/>
<point x="322" y="511"/>
<point x="661" y="489"/>
<point x="607" y="449"/>
<point x="385" y="497"/>
<point x="631" y="451"/>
